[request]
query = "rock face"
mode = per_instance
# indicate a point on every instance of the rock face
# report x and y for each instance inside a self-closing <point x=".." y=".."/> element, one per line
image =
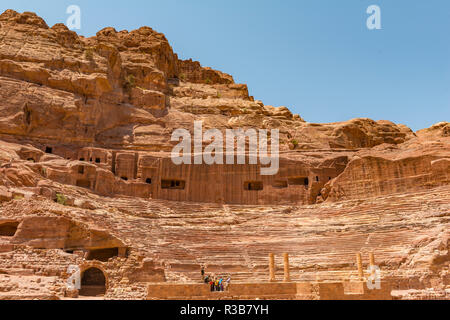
<point x="86" y="177"/>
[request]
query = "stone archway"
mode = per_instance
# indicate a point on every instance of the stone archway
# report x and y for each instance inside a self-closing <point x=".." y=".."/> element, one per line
<point x="93" y="282"/>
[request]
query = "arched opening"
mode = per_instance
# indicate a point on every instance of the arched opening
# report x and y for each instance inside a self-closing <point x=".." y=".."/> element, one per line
<point x="8" y="229"/>
<point x="97" y="160"/>
<point x="148" y="180"/>
<point x="93" y="283"/>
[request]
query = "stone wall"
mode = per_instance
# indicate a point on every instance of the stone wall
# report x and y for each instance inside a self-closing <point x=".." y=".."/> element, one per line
<point x="154" y="175"/>
<point x="296" y="183"/>
<point x="251" y="291"/>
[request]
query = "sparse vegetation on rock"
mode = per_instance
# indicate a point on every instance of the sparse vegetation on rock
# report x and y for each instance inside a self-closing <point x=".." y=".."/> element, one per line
<point x="61" y="199"/>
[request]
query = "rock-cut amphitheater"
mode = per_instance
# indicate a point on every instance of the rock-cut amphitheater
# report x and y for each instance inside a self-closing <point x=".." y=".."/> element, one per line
<point x="88" y="188"/>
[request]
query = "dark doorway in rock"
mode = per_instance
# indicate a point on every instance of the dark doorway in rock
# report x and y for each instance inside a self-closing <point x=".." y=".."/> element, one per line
<point x="97" y="160"/>
<point x="148" y="180"/>
<point x="124" y="178"/>
<point x="48" y="150"/>
<point x="173" y="184"/>
<point x="93" y="283"/>
<point x="253" y="186"/>
<point x="299" y="182"/>
<point x="84" y="184"/>
<point x="8" y="229"/>
<point x="81" y="170"/>
<point x="102" y="255"/>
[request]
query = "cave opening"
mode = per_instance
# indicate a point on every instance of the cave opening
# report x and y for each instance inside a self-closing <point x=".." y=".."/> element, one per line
<point x="93" y="283"/>
<point x="84" y="184"/>
<point x="48" y="150"/>
<point x="173" y="184"/>
<point x="299" y="182"/>
<point x="253" y="186"/>
<point x="102" y="255"/>
<point x="8" y="229"/>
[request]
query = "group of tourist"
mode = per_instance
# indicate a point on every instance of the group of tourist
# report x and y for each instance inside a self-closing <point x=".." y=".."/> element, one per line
<point x="217" y="284"/>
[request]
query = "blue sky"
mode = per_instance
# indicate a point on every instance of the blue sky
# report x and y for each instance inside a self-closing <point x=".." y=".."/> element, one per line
<point x="316" y="57"/>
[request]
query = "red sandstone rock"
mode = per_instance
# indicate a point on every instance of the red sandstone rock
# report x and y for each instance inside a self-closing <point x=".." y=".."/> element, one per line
<point x="86" y="177"/>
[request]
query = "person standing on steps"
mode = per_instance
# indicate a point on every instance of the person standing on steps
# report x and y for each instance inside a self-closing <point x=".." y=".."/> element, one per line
<point x="227" y="283"/>
<point x="203" y="273"/>
<point x="217" y="285"/>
